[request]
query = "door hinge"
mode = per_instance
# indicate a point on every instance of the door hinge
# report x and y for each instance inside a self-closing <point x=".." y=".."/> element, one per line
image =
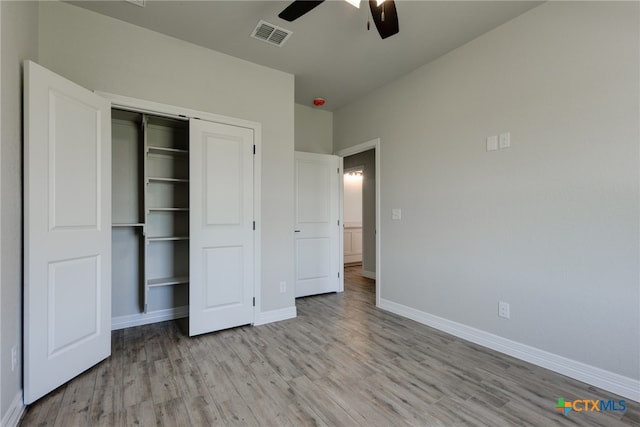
<point x="254" y="149"/>
<point x="338" y="223"/>
<point x="338" y="274"/>
<point x="338" y="171"/>
<point x="254" y="301"/>
<point x="254" y="225"/>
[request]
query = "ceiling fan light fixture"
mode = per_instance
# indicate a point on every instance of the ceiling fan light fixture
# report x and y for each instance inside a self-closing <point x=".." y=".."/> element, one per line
<point x="355" y="3"/>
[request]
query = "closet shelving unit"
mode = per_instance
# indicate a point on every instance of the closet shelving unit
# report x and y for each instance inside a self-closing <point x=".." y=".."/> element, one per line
<point x="166" y="166"/>
<point x="151" y="198"/>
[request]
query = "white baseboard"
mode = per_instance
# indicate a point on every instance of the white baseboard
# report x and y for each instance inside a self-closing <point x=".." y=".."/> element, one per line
<point x="265" y="317"/>
<point x="369" y="274"/>
<point x="14" y="413"/>
<point x="610" y="381"/>
<point x="139" y="319"/>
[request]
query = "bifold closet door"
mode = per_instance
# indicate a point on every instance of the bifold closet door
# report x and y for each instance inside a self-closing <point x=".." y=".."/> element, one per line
<point x="67" y="231"/>
<point x="221" y="235"/>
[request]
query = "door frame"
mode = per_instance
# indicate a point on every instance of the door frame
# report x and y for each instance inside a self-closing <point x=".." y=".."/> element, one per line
<point x="171" y="111"/>
<point x="359" y="148"/>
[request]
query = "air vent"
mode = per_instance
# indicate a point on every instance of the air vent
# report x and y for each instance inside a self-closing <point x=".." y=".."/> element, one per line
<point x="137" y="2"/>
<point x="270" y="33"/>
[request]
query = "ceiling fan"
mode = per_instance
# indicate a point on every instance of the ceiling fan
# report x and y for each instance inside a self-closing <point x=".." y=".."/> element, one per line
<point x="383" y="12"/>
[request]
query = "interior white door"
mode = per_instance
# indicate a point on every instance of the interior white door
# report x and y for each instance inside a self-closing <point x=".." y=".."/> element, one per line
<point x="317" y="228"/>
<point x="221" y="236"/>
<point x="67" y="231"/>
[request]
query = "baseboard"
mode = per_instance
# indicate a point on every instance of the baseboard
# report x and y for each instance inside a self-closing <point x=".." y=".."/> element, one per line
<point x="139" y="319"/>
<point x="606" y="380"/>
<point x="369" y="274"/>
<point x="14" y="413"/>
<point x="265" y="317"/>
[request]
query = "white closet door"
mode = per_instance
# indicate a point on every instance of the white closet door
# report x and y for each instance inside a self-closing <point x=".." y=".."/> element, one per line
<point x="221" y="245"/>
<point x="317" y="233"/>
<point x="67" y="253"/>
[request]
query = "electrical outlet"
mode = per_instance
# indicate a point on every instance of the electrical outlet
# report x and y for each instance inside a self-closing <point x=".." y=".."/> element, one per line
<point x="14" y="358"/>
<point x="504" y="309"/>
<point x="283" y="287"/>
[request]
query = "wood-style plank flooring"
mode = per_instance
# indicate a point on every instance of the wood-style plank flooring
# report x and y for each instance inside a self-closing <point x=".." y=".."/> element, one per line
<point x="341" y="362"/>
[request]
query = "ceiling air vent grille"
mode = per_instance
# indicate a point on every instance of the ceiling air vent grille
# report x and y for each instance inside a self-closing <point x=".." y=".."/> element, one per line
<point x="270" y="33"/>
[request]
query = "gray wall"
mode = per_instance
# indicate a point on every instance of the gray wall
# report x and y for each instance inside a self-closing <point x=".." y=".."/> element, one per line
<point x="549" y="225"/>
<point x="19" y="42"/>
<point x="105" y="54"/>
<point x="314" y="130"/>
<point x="367" y="159"/>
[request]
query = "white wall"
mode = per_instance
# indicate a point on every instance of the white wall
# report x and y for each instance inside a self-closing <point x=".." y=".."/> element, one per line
<point x="19" y="42"/>
<point x="105" y="54"/>
<point x="352" y="201"/>
<point x="314" y="130"/>
<point x="549" y="225"/>
<point x="1" y="351"/>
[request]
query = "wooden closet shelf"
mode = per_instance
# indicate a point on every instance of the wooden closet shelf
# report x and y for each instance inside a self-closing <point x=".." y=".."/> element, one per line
<point x="168" y="209"/>
<point x="167" y="238"/>
<point x="167" y="281"/>
<point x="165" y="150"/>
<point x="167" y="180"/>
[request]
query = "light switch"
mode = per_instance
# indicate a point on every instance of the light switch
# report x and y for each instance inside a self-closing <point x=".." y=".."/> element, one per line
<point x="505" y="140"/>
<point x="396" y="214"/>
<point x="492" y="143"/>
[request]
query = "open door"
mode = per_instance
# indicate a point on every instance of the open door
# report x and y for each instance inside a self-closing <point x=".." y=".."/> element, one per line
<point x="317" y="228"/>
<point x="67" y="231"/>
<point x="221" y="240"/>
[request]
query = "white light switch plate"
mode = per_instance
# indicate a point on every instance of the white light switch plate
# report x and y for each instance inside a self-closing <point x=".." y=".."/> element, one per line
<point x="492" y="143"/>
<point x="396" y="214"/>
<point x="505" y="140"/>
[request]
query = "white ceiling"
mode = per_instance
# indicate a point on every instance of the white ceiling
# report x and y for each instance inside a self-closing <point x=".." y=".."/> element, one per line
<point x="331" y="53"/>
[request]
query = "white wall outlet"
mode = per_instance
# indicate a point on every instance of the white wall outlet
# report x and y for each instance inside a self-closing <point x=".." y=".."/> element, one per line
<point x="283" y="287"/>
<point x="492" y="143"/>
<point x="396" y="214"/>
<point x="504" y="310"/>
<point x="505" y="140"/>
<point x="14" y="357"/>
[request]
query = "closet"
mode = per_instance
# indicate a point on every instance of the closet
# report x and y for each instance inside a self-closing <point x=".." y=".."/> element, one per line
<point x="150" y="213"/>
<point x="133" y="210"/>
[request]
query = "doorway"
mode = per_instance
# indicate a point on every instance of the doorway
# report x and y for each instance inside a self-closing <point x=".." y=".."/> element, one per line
<point x="364" y="159"/>
<point x="352" y="216"/>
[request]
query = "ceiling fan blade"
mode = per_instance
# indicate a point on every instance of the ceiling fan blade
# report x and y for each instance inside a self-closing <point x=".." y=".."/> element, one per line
<point x="298" y="8"/>
<point x="389" y="25"/>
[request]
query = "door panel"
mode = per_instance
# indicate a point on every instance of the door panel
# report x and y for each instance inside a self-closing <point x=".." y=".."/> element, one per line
<point x="74" y="191"/>
<point x="221" y="244"/>
<point x="67" y="253"/>
<point x="317" y="238"/>
<point x="68" y="280"/>
<point x="223" y="277"/>
<point x="223" y="171"/>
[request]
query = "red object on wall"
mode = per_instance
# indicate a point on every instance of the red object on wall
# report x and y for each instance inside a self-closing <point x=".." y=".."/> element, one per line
<point x="318" y="102"/>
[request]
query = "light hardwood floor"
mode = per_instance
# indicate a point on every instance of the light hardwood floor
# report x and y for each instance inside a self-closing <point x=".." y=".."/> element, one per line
<point x="341" y="362"/>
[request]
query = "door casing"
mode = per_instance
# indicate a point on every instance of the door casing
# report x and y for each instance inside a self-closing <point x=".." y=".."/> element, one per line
<point x="359" y="148"/>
